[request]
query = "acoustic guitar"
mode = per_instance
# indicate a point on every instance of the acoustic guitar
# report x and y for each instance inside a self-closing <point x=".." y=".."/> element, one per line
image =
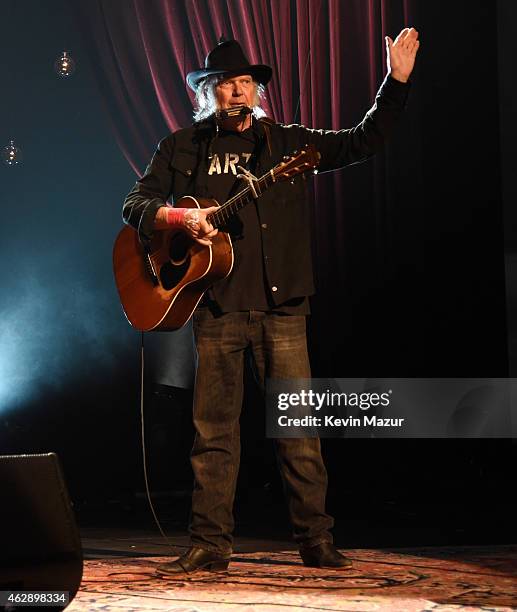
<point x="161" y="284"/>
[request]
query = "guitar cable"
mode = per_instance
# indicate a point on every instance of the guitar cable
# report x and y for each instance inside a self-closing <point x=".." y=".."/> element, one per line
<point x="144" y="453"/>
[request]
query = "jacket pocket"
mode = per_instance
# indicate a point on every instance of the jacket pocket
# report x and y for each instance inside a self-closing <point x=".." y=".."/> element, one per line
<point x="184" y="164"/>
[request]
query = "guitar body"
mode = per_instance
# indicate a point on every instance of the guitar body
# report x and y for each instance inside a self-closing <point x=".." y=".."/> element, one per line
<point x="165" y="299"/>
<point x="160" y="287"/>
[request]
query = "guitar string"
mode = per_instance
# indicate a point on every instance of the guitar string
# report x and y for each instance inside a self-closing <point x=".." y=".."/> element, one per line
<point x="262" y="182"/>
<point x="238" y="196"/>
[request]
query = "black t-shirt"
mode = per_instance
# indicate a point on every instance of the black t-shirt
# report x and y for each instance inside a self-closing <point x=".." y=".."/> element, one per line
<point x="245" y="288"/>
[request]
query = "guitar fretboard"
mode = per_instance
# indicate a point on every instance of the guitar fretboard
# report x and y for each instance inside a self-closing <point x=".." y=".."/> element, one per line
<point x="221" y="216"/>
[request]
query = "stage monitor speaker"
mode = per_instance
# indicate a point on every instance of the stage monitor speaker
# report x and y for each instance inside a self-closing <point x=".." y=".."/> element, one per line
<point x="40" y="548"/>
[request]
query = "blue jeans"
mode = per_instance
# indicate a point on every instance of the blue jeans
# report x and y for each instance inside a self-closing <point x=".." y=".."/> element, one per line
<point x="279" y="347"/>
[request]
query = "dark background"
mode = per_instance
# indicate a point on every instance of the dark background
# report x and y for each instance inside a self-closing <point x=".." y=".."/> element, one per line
<point x="441" y="303"/>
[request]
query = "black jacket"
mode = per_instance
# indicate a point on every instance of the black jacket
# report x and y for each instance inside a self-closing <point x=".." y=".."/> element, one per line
<point x="179" y="167"/>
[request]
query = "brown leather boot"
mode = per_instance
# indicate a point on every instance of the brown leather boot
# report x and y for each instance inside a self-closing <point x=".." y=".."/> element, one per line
<point x="324" y="555"/>
<point x="196" y="559"/>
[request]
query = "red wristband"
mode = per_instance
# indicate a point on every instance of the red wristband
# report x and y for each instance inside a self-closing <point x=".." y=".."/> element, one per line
<point x="175" y="216"/>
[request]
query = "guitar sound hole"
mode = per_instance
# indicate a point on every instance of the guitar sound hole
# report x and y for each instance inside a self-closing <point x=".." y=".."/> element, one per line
<point x="171" y="275"/>
<point x="179" y="248"/>
<point x="174" y="270"/>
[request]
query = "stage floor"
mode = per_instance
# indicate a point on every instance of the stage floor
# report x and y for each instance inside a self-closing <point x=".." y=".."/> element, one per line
<point x="267" y="576"/>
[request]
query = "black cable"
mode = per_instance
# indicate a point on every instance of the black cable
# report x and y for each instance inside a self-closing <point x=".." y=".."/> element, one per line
<point x="144" y="459"/>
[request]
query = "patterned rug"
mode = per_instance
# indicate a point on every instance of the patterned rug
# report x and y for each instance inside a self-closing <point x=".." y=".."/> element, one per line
<point x="424" y="580"/>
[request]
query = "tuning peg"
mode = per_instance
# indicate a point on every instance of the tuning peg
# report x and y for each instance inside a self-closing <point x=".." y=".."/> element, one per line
<point x="286" y="158"/>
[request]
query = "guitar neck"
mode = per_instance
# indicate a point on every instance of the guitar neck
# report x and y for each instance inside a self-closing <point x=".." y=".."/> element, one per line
<point x="220" y="217"/>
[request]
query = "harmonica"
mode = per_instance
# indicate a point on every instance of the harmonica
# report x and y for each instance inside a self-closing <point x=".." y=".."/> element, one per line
<point x="240" y="110"/>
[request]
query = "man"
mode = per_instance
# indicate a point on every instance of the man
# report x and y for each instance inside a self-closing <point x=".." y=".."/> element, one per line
<point x="262" y="305"/>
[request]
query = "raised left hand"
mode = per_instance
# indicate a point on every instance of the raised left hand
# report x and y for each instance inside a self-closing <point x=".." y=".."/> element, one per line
<point x="401" y="53"/>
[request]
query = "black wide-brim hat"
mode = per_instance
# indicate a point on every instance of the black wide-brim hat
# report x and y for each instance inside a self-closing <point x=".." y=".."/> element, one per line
<point x="226" y="59"/>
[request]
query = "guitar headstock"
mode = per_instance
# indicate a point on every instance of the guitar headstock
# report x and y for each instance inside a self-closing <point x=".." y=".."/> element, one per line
<point x="297" y="163"/>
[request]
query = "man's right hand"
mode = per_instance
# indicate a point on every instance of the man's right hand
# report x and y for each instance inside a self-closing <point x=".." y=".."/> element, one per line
<point x="193" y="221"/>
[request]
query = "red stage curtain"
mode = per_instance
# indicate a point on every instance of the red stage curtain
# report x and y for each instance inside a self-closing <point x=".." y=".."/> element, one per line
<point x="330" y="51"/>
